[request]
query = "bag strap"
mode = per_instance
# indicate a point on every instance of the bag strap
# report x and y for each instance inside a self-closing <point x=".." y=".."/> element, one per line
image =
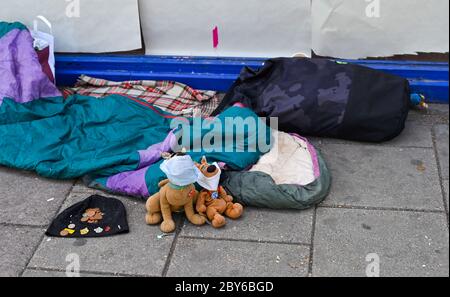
<point x="45" y="21"/>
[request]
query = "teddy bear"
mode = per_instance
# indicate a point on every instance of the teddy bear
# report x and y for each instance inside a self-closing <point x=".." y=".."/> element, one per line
<point x="213" y="201"/>
<point x="177" y="193"/>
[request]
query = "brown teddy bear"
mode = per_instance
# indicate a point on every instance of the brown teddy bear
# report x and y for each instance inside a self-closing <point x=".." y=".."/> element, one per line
<point x="176" y="193"/>
<point x="213" y="200"/>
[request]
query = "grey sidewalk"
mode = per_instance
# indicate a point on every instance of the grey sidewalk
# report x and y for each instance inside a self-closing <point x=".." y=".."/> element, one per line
<point x="390" y="199"/>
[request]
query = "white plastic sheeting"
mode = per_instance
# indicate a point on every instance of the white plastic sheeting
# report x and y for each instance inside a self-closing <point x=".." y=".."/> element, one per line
<point x="82" y="25"/>
<point x="252" y="28"/>
<point x="377" y="28"/>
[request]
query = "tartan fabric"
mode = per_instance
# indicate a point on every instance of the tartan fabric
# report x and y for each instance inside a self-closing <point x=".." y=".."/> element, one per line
<point x="173" y="97"/>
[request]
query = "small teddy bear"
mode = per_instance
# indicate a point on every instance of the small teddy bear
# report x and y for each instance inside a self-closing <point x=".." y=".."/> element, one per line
<point x="176" y="193"/>
<point x="213" y="200"/>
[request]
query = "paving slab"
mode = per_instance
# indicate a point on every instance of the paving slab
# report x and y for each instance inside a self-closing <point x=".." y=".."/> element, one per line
<point x="415" y="134"/>
<point x="438" y="109"/>
<point x="138" y="253"/>
<point x="386" y="177"/>
<point x="442" y="147"/>
<point x="260" y="225"/>
<point x="407" y="243"/>
<point x="50" y="273"/>
<point x="27" y="199"/>
<point x="437" y="113"/>
<point x="16" y="248"/>
<point x="79" y="187"/>
<point x="218" y="258"/>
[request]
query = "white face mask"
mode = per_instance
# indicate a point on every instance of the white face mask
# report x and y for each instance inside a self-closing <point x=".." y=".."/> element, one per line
<point x="180" y="170"/>
<point x="209" y="183"/>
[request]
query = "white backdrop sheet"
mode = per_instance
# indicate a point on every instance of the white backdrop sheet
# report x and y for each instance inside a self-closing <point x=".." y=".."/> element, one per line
<point x="246" y="28"/>
<point x="378" y="28"/>
<point x="100" y="26"/>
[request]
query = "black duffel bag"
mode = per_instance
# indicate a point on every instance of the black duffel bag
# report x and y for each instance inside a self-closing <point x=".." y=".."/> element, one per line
<point x="320" y="97"/>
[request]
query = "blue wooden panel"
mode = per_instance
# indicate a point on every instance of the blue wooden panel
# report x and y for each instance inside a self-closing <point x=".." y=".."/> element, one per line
<point x="425" y="72"/>
<point x="220" y="82"/>
<point x="435" y="91"/>
<point x="428" y="78"/>
<point x="158" y="64"/>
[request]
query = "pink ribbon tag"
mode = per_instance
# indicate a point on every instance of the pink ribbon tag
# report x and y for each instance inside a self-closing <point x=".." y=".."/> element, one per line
<point x="215" y="37"/>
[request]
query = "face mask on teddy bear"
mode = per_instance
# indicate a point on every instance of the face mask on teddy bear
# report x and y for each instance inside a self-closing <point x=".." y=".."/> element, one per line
<point x="208" y="175"/>
<point x="180" y="170"/>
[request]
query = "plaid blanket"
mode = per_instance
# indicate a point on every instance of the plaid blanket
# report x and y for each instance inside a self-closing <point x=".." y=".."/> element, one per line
<point x="173" y="97"/>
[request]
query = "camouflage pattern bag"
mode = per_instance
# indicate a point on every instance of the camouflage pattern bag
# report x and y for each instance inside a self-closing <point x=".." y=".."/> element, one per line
<point x="320" y="97"/>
